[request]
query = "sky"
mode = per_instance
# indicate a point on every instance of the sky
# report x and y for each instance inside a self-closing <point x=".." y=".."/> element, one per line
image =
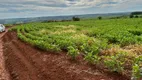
<point x="37" y="8"/>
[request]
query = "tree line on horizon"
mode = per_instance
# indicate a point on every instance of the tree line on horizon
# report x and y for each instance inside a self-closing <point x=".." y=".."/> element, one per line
<point x="136" y="14"/>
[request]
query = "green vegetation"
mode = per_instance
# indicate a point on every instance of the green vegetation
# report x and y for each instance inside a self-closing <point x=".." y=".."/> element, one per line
<point x="91" y="38"/>
<point x="137" y="68"/>
<point x="99" y="17"/>
<point x="135" y="15"/>
<point x="75" y="19"/>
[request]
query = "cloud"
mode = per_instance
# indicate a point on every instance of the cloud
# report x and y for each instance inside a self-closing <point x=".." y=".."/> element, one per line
<point x="55" y="3"/>
<point x="61" y="7"/>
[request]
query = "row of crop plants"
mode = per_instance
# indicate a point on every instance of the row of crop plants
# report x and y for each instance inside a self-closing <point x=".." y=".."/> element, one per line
<point x="89" y="41"/>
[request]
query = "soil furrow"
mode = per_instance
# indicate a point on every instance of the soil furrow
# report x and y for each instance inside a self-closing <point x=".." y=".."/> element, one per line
<point x="22" y="60"/>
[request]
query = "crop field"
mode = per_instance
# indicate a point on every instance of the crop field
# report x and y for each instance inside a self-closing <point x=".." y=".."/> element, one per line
<point x="112" y="44"/>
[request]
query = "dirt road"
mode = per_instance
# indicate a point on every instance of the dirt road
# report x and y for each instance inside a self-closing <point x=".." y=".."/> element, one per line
<point x="25" y="62"/>
<point x="3" y="73"/>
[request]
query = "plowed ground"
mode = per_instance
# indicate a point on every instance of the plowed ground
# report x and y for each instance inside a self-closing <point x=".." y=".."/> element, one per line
<point x="25" y="62"/>
<point x="3" y="73"/>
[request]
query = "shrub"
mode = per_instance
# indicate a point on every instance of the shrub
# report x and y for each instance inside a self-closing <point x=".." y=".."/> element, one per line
<point x="131" y="16"/>
<point x="136" y="16"/>
<point x="99" y="17"/>
<point x="75" y="19"/>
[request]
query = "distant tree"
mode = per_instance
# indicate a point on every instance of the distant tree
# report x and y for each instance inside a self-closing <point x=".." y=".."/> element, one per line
<point x="136" y="16"/>
<point x="75" y="19"/>
<point x="99" y="17"/>
<point x="131" y="16"/>
<point x="117" y="17"/>
<point x="136" y="13"/>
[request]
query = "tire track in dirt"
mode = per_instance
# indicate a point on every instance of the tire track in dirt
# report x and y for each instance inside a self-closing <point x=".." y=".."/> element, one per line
<point x="26" y="69"/>
<point x="3" y="73"/>
<point x="35" y="63"/>
<point x="25" y="62"/>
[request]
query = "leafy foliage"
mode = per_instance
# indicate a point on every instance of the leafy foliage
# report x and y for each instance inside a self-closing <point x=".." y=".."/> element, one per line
<point x="116" y="62"/>
<point x="88" y="38"/>
<point x="137" y="69"/>
<point x="73" y="52"/>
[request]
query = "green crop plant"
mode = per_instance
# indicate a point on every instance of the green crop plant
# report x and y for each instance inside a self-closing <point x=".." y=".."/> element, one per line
<point x="136" y="72"/>
<point x="137" y="69"/>
<point x="73" y="52"/>
<point x="116" y="62"/>
<point x="113" y="64"/>
<point x="94" y="59"/>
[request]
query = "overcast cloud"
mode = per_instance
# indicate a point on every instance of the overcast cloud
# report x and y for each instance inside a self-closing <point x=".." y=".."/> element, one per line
<point x="34" y="8"/>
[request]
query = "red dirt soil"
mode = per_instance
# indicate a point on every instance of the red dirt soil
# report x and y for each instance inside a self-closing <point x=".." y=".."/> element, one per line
<point x="25" y="62"/>
<point x="3" y="73"/>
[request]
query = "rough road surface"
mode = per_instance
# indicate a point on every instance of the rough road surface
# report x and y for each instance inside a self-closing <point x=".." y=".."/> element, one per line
<point x="25" y="62"/>
<point x="3" y="73"/>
